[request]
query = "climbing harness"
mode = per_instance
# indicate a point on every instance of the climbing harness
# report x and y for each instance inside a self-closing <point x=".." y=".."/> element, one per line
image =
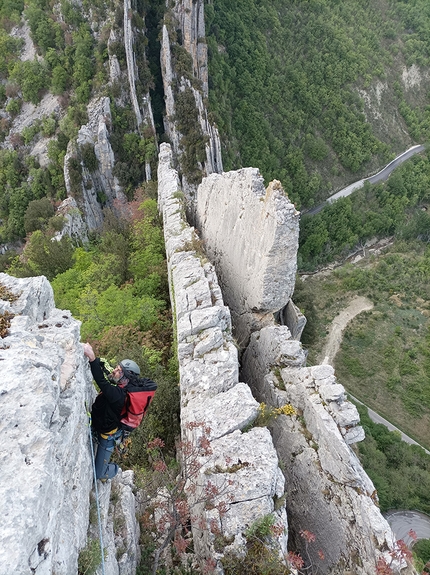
<point x="122" y="443"/>
<point x="96" y="492"/>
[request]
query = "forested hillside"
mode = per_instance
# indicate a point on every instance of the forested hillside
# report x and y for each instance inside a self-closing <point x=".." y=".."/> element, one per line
<point x="55" y="61"/>
<point x="318" y="93"/>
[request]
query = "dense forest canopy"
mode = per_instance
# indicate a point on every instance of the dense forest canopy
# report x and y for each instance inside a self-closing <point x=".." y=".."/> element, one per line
<point x="289" y="81"/>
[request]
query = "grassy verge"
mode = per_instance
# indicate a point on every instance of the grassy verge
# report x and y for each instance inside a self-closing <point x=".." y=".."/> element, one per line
<point x="384" y="359"/>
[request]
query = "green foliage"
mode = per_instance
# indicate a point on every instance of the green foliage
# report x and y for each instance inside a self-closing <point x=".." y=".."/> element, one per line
<point x="42" y="256"/>
<point x="400" y="472"/>
<point x="394" y="207"/>
<point x="384" y="356"/>
<point x="98" y="289"/>
<point x="89" y="558"/>
<point x="9" y="50"/>
<point x="14" y="106"/>
<point x="281" y="77"/>
<point x="192" y="142"/>
<point x="37" y="215"/>
<point x="32" y="78"/>
<point x="75" y="175"/>
<point x="422" y="549"/>
<point x="89" y="157"/>
<point x="10" y="13"/>
<point x="116" y="306"/>
<point x="59" y="79"/>
<point x="262" y="555"/>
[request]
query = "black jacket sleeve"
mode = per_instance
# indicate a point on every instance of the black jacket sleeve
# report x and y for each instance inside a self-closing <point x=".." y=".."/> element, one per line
<point x="110" y="390"/>
<point x="107" y="408"/>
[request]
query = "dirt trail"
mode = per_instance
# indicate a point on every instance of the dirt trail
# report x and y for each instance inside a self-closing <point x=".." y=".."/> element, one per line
<point x="357" y="305"/>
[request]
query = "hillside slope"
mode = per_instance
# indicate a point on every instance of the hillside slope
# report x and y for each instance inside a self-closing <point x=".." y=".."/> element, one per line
<point x="318" y="94"/>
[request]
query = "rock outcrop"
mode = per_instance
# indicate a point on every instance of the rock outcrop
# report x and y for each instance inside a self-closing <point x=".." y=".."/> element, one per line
<point x="251" y="236"/>
<point x="131" y="64"/>
<point x="253" y="245"/>
<point x="210" y="389"/>
<point x="120" y="528"/>
<point x="45" y="458"/>
<point x="190" y="18"/>
<point x="142" y="111"/>
<point x="74" y="226"/>
<point x="98" y="182"/>
<point x="47" y="477"/>
<point x="328" y="491"/>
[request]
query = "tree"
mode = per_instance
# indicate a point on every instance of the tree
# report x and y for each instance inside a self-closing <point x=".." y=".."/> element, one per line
<point x="32" y="78"/>
<point x="43" y="255"/>
<point x="37" y="215"/>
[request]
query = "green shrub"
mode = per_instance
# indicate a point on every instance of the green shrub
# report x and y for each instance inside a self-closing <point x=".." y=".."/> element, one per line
<point x="89" y="157"/>
<point x="89" y="558"/>
<point x="37" y="215"/>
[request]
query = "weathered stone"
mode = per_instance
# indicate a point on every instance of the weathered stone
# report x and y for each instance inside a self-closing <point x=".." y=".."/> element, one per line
<point x="333" y="392"/>
<point x="95" y="133"/>
<point x="210" y="341"/>
<point x="74" y="226"/>
<point x="210" y="388"/>
<point x="321" y="371"/>
<point x="225" y="412"/>
<point x="194" y="322"/>
<point x="45" y="459"/>
<point x="345" y="414"/>
<point x="353" y="434"/>
<point x="244" y="468"/>
<point x="120" y="528"/>
<point x="293" y="318"/>
<point x="234" y="248"/>
<point x="267" y="348"/>
<point x="207" y="379"/>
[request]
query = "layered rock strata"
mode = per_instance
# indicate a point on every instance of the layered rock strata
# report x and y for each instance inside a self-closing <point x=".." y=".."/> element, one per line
<point x="253" y="245"/>
<point x="131" y="64"/>
<point x="74" y="226"/>
<point x="120" y="528"/>
<point x="251" y="236"/>
<point x="190" y="15"/>
<point x="210" y="389"/>
<point x="191" y="18"/>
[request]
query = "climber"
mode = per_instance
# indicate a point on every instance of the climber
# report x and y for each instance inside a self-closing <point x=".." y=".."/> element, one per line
<point x="108" y="409"/>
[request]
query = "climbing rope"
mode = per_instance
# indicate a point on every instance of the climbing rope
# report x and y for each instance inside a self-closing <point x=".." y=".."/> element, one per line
<point x="97" y="494"/>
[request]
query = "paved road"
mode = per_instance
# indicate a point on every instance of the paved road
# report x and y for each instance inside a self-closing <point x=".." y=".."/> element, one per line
<point x="380" y="176"/>
<point x="401" y="522"/>
<point x="376" y="418"/>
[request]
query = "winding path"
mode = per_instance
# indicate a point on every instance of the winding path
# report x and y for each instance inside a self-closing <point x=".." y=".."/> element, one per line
<point x="401" y="522"/>
<point x="380" y="176"/>
<point x="357" y="305"/>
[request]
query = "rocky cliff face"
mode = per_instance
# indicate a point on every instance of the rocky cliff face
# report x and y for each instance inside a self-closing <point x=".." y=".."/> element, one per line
<point x="46" y="469"/>
<point x="47" y="477"/>
<point x="100" y="181"/>
<point x="253" y="245"/>
<point x="211" y="392"/>
<point x="189" y="15"/>
<point x="327" y="492"/>
<point x="191" y="18"/>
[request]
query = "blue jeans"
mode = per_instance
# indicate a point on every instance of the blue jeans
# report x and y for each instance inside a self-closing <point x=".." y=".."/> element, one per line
<point x="104" y="469"/>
